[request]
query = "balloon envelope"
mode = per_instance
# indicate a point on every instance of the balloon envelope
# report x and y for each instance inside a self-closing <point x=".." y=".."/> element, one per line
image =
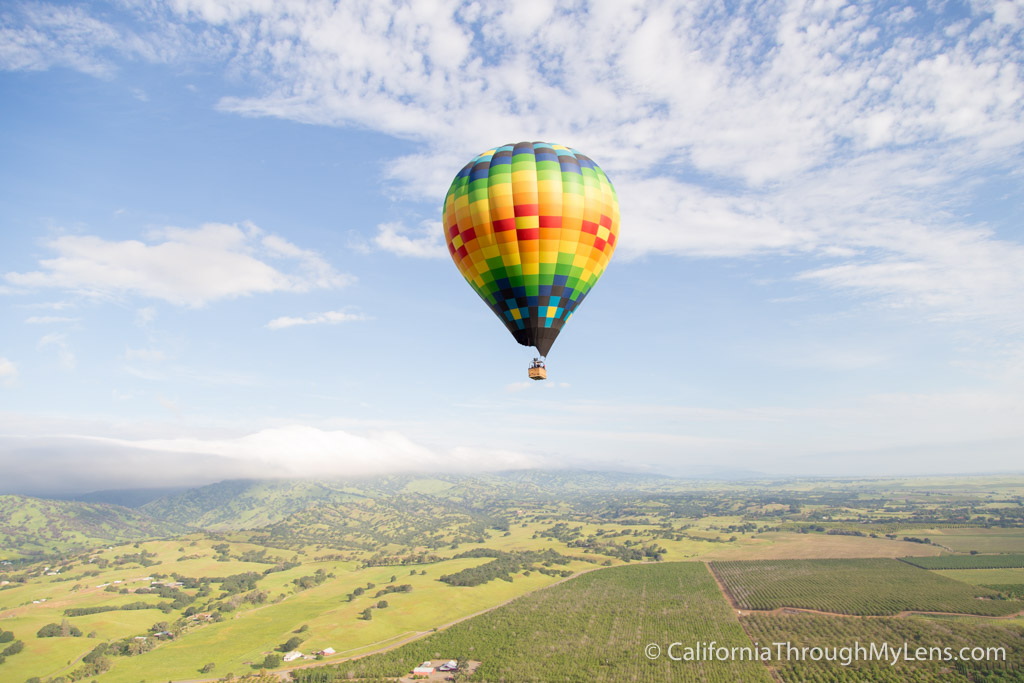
<point x="532" y="226"/>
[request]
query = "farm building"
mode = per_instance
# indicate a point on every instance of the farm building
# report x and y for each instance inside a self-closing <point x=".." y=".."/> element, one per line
<point x="292" y="656"/>
<point x="424" y="668"/>
<point x="326" y="652"/>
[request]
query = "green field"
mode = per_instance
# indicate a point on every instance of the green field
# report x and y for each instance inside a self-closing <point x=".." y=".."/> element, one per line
<point x="592" y="628"/>
<point x="984" y="577"/>
<point x="1007" y="561"/>
<point x="982" y="540"/>
<point x="811" y="630"/>
<point x="307" y="545"/>
<point x="856" y="586"/>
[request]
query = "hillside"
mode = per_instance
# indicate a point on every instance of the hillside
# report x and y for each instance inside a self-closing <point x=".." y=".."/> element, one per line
<point x="249" y="503"/>
<point x="360" y="565"/>
<point x="244" y="503"/>
<point x="33" y="527"/>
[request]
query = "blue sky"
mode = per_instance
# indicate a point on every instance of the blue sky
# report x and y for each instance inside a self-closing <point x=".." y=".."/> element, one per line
<point x="221" y="255"/>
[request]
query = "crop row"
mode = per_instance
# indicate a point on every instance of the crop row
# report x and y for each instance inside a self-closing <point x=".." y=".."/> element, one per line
<point x="857" y="586"/>
<point x="832" y="663"/>
<point x="592" y="628"/>
<point x="1005" y="561"/>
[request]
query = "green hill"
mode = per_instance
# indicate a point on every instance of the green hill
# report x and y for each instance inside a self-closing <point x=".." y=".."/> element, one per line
<point x="33" y="527"/>
<point x="394" y="509"/>
<point x="244" y="503"/>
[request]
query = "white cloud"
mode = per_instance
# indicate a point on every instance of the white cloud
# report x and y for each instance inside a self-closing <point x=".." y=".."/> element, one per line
<point x="146" y="355"/>
<point x="181" y="266"/>
<point x="37" y="36"/>
<point x="328" y="317"/>
<point x="300" y="450"/>
<point x="426" y="242"/>
<point x="49" y="319"/>
<point x="814" y="128"/>
<point x="8" y="371"/>
<point x="65" y="355"/>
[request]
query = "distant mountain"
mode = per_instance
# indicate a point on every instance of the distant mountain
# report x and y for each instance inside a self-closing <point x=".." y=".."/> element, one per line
<point x="129" y="498"/>
<point x="250" y="504"/>
<point x="37" y="527"/>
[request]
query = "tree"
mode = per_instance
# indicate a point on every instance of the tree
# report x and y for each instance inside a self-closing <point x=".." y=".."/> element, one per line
<point x="63" y="629"/>
<point x="290" y="644"/>
<point x="367" y="614"/>
<point x="208" y="668"/>
<point x="382" y="604"/>
<point x="271" y="661"/>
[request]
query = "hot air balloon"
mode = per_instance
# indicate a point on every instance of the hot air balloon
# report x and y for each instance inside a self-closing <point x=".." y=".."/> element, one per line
<point x="532" y="226"/>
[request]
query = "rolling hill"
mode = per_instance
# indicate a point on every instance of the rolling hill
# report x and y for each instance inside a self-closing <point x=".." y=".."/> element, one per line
<point x="34" y="527"/>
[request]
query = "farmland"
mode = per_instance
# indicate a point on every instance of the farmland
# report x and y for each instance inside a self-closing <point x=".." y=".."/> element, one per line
<point x="860" y="586"/>
<point x="1008" y="561"/>
<point x="593" y="628"/>
<point x="217" y="580"/>
<point x="812" y="630"/>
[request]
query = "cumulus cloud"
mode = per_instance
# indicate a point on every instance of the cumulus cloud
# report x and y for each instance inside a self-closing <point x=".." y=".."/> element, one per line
<point x="425" y="242"/>
<point x="328" y="317"/>
<point x="182" y="266"/>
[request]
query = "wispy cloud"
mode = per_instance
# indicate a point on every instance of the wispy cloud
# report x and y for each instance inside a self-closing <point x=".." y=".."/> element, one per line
<point x="300" y="450"/>
<point x="328" y="317"/>
<point x="855" y="132"/>
<point x="8" y="371"/>
<point x="49" y="320"/>
<point x="181" y="266"/>
<point x="65" y="356"/>
<point x="815" y="129"/>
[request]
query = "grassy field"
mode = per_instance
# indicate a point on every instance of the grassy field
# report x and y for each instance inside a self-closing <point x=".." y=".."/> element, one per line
<point x="981" y="540"/>
<point x="236" y="644"/>
<point x="859" y="586"/>
<point x="590" y="629"/>
<point x="309" y="544"/>
<point x="774" y="546"/>
<point x="249" y="633"/>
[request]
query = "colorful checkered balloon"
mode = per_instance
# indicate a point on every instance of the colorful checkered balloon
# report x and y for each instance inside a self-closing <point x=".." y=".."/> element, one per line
<point x="532" y="226"/>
